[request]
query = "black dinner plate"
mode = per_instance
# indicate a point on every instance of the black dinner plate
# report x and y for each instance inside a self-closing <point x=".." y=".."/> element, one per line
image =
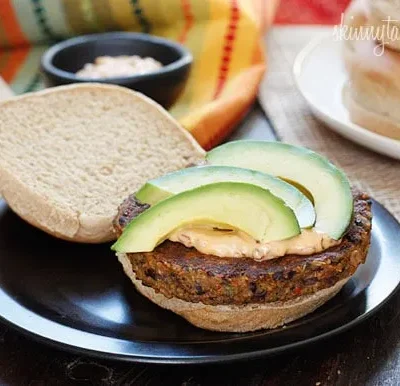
<point x="76" y="297"/>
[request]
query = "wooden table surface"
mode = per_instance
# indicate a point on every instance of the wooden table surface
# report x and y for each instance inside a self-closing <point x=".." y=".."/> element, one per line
<point x="369" y="354"/>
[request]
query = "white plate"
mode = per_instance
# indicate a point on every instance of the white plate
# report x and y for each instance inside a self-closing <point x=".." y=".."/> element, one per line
<point x="320" y="75"/>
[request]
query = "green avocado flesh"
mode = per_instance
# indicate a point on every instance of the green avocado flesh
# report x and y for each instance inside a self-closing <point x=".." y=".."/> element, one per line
<point x="327" y="184"/>
<point x="237" y="205"/>
<point x="160" y="188"/>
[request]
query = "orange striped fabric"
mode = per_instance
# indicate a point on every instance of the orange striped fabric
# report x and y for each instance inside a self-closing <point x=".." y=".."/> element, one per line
<point x="14" y="59"/>
<point x="12" y="33"/>
<point x="223" y="35"/>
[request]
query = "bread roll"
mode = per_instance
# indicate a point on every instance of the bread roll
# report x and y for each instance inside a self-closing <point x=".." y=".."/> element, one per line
<point x="69" y="155"/>
<point x="372" y="93"/>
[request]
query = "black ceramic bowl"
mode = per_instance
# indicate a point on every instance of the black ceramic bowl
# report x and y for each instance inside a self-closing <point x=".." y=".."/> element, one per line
<point x="63" y="60"/>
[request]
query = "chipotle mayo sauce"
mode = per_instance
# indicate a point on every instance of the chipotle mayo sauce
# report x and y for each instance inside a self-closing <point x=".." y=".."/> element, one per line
<point x="236" y="244"/>
<point x="118" y="66"/>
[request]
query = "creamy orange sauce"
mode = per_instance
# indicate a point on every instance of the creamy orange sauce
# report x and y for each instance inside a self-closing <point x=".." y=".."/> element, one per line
<point x="238" y="244"/>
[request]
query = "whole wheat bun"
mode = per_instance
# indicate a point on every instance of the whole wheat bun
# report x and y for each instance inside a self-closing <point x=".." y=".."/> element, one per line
<point x="234" y="318"/>
<point x="379" y="12"/>
<point x="372" y="94"/>
<point x="69" y="155"/>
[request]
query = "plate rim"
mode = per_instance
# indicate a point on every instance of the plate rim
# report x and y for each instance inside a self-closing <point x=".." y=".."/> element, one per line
<point x="323" y="115"/>
<point x="201" y="359"/>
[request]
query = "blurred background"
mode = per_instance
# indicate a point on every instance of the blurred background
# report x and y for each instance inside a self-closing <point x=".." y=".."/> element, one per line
<point x="27" y="27"/>
<point x="224" y="37"/>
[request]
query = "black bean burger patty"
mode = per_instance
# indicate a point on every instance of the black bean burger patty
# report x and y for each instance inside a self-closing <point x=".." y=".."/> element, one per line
<point x="184" y="273"/>
<point x="127" y="211"/>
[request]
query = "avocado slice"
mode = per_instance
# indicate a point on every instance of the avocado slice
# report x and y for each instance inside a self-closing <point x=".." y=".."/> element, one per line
<point x="236" y="205"/>
<point x="160" y="188"/>
<point x="327" y="184"/>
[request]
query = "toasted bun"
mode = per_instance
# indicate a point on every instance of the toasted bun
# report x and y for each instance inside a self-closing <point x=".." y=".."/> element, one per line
<point x="373" y="91"/>
<point x="69" y="155"/>
<point x="227" y="318"/>
<point x="379" y="11"/>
